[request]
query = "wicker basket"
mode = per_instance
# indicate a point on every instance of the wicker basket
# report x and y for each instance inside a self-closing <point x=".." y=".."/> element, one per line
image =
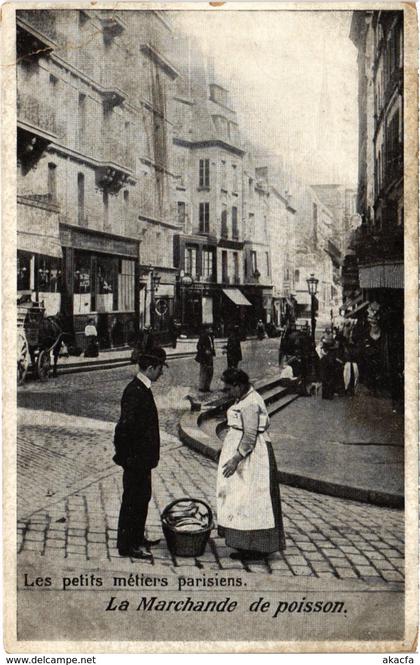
<point x="186" y="543"/>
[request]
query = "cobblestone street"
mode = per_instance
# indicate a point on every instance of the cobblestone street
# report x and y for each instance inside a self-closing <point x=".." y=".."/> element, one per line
<point x="69" y="489"/>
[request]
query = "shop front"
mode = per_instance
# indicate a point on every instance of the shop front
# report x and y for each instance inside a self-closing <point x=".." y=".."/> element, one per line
<point x="100" y="284"/>
<point x="157" y="300"/>
<point x="261" y="301"/>
<point x="39" y="254"/>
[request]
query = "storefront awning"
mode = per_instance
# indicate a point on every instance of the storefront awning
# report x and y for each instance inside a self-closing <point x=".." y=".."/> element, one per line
<point x="382" y="276"/>
<point x="236" y="297"/>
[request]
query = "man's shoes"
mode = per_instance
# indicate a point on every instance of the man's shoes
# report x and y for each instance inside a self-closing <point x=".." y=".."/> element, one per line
<point x="136" y="553"/>
<point x="150" y="543"/>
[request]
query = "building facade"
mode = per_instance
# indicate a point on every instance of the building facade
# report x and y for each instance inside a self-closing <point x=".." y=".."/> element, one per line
<point x="94" y="166"/>
<point x="378" y="244"/>
<point x="139" y="201"/>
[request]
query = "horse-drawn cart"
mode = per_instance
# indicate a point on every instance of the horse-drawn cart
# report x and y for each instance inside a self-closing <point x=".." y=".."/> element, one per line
<point x="37" y="337"/>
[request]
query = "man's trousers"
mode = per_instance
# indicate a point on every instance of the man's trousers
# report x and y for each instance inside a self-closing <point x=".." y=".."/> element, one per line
<point x="134" y="506"/>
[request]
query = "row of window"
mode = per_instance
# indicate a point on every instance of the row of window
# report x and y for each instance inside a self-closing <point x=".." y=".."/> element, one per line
<point x="389" y="157"/>
<point x="207" y="268"/>
<point x="204" y="175"/>
<point x="390" y="62"/>
<point x="204" y="219"/>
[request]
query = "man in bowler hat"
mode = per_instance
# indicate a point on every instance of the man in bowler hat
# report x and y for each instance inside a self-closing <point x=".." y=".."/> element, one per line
<point x="137" y="444"/>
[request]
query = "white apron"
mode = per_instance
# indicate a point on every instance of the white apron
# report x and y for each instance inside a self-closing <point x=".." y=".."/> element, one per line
<point x="243" y="500"/>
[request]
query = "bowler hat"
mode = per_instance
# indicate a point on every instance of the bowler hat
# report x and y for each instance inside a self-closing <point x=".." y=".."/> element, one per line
<point x="156" y="356"/>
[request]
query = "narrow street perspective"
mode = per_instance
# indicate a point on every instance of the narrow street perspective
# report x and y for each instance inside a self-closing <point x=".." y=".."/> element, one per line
<point x="69" y="489"/>
<point x="210" y="377"/>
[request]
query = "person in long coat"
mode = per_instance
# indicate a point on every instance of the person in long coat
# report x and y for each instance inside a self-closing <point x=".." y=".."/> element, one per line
<point x="248" y="497"/>
<point x="204" y="356"/>
<point x="137" y="445"/>
<point x="233" y="348"/>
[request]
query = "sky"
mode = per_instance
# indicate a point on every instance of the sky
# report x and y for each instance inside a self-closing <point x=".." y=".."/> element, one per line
<point x="292" y="77"/>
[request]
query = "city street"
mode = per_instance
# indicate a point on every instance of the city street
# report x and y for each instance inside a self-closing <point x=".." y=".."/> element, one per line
<point x="69" y="489"/>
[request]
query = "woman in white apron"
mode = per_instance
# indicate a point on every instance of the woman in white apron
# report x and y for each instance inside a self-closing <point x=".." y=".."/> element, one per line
<point x="248" y="496"/>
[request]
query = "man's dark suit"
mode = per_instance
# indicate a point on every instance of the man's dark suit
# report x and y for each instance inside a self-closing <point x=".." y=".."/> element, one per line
<point x="137" y="445"/>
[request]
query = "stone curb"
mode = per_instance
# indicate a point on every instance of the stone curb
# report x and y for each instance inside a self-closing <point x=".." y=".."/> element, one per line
<point x="193" y="436"/>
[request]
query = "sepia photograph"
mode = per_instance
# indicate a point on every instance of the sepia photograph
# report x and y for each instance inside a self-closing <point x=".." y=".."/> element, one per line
<point x="210" y="270"/>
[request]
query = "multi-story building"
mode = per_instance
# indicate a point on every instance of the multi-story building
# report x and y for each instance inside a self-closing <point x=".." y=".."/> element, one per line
<point x="209" y="201"/>
<point x="317" y="253"/>
<point x="276" y="250"/>
<point x="94" y="162"/>
<point x="378" y="242"/>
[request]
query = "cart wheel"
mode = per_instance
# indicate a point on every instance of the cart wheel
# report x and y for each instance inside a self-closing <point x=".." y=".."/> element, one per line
<point x="23" y="360"/>
<point x="44" y="365"/>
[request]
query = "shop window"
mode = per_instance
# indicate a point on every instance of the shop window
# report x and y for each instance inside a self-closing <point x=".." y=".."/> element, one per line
<point x="82" y="284"/>
<point x="23" y="271"/>
<point x="126" y="282"/>
<point x="106" y="276"/>
<point x="48" y="270"/>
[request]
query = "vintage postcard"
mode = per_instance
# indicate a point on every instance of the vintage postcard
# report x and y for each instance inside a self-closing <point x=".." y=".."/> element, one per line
<point x="210" y="327"/>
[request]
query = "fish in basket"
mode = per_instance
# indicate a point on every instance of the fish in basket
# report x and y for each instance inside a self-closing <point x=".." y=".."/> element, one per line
<point x="187" y="524"/>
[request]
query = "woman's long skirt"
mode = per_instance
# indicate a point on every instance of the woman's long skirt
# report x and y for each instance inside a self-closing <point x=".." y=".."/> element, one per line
<point x="263" y="540"/>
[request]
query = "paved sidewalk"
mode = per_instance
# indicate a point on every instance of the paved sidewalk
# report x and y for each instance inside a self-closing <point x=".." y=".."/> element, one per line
<point x="70" y="514"/>
<point x="351" y="447"/>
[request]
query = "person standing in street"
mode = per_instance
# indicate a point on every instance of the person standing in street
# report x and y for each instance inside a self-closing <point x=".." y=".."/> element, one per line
<point x="205" y="354"/>
<point x="173" y="331"/>
<point x="233" y="348"/>
<point x="260" y="329"/>
<point x="248" y="496"/>
<point x="91" y="335"/>
<point x="328" y="369"/>
<point x="137" y="445"/>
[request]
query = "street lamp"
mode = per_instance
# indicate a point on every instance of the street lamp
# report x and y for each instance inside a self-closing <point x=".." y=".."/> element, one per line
<point x="154" y="285"/>
<point x="312" y="283"/>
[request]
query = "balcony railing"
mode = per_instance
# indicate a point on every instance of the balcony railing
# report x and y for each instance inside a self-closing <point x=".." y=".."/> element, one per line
<point x="37" y="113"/>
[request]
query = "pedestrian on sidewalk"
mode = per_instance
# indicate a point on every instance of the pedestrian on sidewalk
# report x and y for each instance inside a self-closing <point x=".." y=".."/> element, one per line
<point x="350" y="370"/>
<point x="260" y="329"/>
<point x="137" y="445"/>
<point x="173" y="328"/>
<point x="328" y="369"/>
<point x="233" y="348"/>
<point x="248" y="496"/>
<point x="205" y="355"/>
<point x="91" y="336"/>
